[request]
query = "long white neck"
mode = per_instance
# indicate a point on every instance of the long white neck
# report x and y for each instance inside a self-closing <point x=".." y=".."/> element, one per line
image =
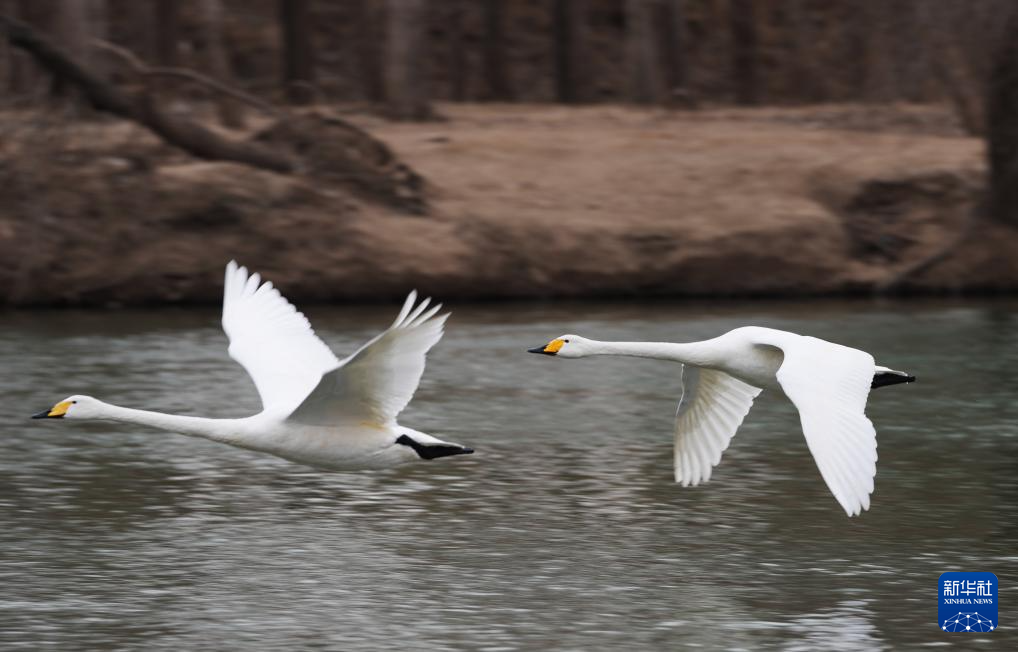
<point x="222" y="430"/>
<point x="694" y="353"/>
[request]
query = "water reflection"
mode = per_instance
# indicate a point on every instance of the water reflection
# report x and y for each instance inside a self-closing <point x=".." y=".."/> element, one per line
<point x="564" y="531"/>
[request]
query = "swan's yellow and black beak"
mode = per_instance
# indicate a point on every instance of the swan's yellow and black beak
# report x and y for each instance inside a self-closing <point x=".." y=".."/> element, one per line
<point x="551" y="348"/>
<point x="55" y="412"/>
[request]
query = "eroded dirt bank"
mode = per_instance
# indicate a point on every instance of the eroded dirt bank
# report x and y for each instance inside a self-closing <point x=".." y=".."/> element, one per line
<point x="524" y="202"/>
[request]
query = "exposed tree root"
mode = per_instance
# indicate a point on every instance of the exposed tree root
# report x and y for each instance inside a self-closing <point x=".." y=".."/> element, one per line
<point x="896" y="282"/>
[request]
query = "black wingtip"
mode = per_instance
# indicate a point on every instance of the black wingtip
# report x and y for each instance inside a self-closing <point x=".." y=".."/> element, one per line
<point x="884" y="378"/>
<point x="433" y="451"/>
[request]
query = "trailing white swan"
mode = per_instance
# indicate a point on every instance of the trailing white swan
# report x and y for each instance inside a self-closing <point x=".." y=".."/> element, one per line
<point x="827" y="382"/>
<point x="317" y="409"/>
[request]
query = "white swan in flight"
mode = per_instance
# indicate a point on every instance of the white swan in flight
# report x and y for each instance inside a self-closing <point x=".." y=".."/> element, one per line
<point x="317" y="410"/>
<point x="827" y="382"/>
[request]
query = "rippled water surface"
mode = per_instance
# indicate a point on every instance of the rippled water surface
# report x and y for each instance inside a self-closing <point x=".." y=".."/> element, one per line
<point x="564" y="531"/>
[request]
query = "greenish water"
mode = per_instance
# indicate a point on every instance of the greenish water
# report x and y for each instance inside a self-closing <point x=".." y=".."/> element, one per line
<point x="564" y="531"/>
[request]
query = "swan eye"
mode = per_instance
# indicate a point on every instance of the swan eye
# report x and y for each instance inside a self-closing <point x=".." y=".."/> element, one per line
<point x="74" y="402"/>
<point x="566" y="341"/>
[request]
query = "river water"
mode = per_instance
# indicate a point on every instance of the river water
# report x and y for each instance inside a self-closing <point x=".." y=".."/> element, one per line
<point x="564" y="531"/>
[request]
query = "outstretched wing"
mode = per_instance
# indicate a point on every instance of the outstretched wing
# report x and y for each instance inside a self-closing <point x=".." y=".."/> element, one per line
<point x="374" y="384"/>
<point x="712" y="408"/>
<point x="271" y="340"/>
<point x="829" y="384"/>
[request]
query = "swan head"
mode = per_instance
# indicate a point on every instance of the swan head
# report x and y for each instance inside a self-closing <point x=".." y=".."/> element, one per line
<point x="566" y="346"/>
<point x="72" y="407"/>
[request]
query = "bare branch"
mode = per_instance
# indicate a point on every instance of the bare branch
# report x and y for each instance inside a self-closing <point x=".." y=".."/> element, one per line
<point x="126" y="56"/>
<point x="143" y="70"/>
<point x="208" y="82"/>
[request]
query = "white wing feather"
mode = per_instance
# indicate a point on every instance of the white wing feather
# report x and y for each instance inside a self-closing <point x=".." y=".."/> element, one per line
<point x="376" y="383"/>
<point x="712" y="408"/>
<point x="271" y="340"/>
<point x="829" y="384"/>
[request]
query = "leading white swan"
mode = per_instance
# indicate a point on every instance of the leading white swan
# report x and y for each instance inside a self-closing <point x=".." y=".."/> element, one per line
<point x="827" y="382"/>
<point x="317" y="409"/>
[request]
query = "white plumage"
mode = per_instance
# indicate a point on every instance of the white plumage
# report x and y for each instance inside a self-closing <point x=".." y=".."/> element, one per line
<point x="712" y="408"/>
<point x="317" y="409"/>
<point x="828" y="383"/>
<point x="271" y="340"/>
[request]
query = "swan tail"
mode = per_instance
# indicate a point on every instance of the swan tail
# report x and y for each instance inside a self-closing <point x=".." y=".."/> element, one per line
<point x="884" y="377"/>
